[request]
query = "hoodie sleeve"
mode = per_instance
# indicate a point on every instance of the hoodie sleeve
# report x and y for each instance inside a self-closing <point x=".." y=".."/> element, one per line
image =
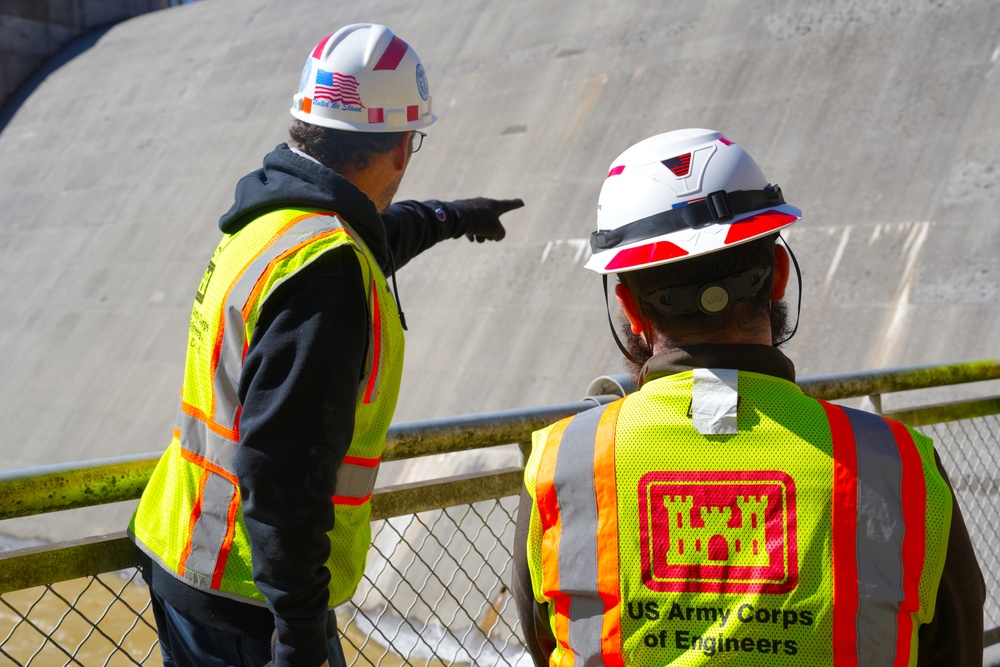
<point x="412" y="226"/>
<point x="298" y="392"/>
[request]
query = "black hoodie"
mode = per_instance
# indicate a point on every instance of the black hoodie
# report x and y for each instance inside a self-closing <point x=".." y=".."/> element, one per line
<point x="298" y="392"/>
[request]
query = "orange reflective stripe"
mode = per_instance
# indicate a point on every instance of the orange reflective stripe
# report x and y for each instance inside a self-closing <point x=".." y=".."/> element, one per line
<point x="239" y="411"/>
<point x="208" y="466"/>
<point x="844" y="535"/>
<point x="363" y="461"/>
<point x="350" y="500"/>
<point x="548" y="512"/>
<point x="561" y="607"/>
<point x="608" y="572"/>
<point x="227" y="542"/>
<point x="212" y="426"/>
<point x="914" y="503"/>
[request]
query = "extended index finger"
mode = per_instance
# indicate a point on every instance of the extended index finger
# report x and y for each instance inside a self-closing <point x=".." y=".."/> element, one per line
<point x="502" y="206"/>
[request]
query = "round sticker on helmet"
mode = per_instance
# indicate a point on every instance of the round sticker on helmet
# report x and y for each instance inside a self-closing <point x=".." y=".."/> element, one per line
<point x="304" y="79"/>
<point x="422" y="83"/>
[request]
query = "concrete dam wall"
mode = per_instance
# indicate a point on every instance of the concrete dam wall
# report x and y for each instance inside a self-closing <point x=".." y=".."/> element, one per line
<point x="878" y="119"/>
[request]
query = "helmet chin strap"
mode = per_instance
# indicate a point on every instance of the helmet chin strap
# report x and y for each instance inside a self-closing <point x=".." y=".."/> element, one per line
<point x="798" y="277"/>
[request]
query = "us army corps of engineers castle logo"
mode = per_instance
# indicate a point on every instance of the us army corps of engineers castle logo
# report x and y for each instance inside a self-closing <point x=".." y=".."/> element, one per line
<point x="718" y="531"/>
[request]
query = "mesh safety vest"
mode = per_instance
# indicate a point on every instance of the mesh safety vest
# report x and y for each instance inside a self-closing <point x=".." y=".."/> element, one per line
<point x="189" y="518"/>
<point x="806" y="534"/>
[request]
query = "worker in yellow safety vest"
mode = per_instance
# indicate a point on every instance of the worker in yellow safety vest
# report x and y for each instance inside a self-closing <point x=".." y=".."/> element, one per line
<point x="255" y="523"/>
<point x="718" y="516"/>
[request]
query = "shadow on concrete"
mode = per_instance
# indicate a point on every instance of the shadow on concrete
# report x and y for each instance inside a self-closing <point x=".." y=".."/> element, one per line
<point x="77" y="46"/>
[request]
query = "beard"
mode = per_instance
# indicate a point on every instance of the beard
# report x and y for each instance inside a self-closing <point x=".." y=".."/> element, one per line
<point x="639" y="352"/>
<point x="780" y="329"/>
<point x="384" y="198"/>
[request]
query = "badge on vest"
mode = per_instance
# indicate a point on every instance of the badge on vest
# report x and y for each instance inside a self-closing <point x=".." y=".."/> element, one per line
<point x="718" y="531"/>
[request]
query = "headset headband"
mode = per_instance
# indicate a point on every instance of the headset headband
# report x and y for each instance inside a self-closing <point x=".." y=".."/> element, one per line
<point x="712" y="297"/>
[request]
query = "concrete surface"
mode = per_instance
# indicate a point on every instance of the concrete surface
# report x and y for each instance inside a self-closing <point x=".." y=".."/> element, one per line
<point x="877" y="117"/>
<point x="32" y="31"/>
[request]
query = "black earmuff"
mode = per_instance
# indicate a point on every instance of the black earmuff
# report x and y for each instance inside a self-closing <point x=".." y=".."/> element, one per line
<point x="710" y="298"/>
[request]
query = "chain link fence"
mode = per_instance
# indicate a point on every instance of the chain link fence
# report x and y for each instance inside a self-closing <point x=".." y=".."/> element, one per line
<point x="435" y="592"/>
<point x="103" y="620"/>
<point x="970" y="456"/>
<point x="436" y="589"/>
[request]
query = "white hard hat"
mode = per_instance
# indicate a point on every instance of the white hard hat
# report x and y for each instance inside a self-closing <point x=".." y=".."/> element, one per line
<point x="364" y="78"/>
<point x="682" y="194"/>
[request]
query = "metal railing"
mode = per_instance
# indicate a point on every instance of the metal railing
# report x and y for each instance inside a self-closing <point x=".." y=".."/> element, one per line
<point x="435" y="587"/>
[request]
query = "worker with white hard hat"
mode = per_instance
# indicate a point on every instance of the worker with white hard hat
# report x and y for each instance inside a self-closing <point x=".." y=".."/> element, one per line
<point x="255" y="523"/>
<point x="717" y="515"/>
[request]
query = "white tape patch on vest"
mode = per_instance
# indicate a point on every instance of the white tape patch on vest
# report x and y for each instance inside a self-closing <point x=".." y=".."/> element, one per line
<point x="714" y="400"/>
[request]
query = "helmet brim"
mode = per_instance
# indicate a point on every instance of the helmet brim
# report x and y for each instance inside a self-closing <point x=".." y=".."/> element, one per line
<point x="688" y="243"/>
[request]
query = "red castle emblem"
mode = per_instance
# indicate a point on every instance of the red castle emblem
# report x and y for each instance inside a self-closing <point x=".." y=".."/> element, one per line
<point x="718" y="531"/>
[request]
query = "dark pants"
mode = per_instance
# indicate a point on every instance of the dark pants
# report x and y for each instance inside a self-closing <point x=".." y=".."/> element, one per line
<point x="185" y="643"/>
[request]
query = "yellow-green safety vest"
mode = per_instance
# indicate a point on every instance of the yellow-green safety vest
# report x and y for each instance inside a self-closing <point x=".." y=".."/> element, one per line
<point x="189" y="519"/>
<point x="805" y="534"/>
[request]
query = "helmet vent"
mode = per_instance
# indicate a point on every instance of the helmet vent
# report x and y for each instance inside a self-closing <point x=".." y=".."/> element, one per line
<point x="680" y="165"/>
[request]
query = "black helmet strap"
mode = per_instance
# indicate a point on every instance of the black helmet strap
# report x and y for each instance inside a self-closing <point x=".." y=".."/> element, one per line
<point x="718" y="206"/>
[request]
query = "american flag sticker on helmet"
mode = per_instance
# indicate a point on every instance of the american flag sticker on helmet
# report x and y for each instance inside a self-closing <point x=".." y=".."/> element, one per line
<point x="680" y="165"/>
<point x="336" y="87"/>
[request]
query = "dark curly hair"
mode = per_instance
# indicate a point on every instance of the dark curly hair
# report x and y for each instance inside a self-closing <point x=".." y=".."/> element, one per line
<point x="341" y="150"/>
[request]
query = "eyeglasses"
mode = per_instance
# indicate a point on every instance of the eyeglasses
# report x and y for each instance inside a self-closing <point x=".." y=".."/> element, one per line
<point x="416" y="141"/>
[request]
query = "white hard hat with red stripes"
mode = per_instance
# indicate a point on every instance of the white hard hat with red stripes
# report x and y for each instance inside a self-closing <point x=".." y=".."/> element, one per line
<point x="364" y="78"/>
<point x="682" y="194"/>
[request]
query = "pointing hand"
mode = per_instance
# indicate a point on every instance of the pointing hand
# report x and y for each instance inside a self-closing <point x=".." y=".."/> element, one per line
<point x="484" y="215"/>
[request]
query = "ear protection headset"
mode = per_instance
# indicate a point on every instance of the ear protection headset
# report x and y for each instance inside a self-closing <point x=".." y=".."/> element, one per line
<point x="710" y="298"/>
<point x="731" y="289"/>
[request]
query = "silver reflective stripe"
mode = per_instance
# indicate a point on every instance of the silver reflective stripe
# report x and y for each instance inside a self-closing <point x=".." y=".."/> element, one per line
<point x="355" y="481"/>
<point x="210" y="531"/>
<point x="573" y="480"/>
<point x="197" y="439"/>
<point x="879" y="536"/>
<point x="227" y="376"/>
<point x="226" y="381"/>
